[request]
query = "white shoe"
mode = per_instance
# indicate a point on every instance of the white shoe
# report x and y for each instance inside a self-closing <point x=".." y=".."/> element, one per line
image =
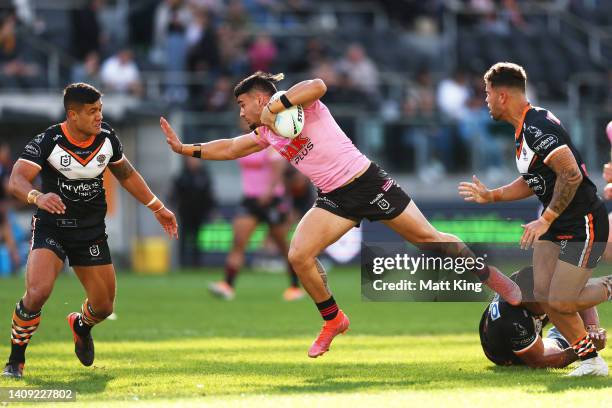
<point x="592" y="366"/>
<point x="222" y="290"/>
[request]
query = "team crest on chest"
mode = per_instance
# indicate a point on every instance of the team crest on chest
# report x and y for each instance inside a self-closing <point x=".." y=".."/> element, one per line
<point x="65" y="160"/>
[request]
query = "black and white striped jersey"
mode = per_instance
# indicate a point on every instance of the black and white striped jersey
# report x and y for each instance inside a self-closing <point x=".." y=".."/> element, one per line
<point x="75" y="171"/>
<point x="537" y="140"/>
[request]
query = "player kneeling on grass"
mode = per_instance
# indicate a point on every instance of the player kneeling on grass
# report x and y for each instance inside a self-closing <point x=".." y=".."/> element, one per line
<point x="512" y="335"/>
<point x="350" y="188"/>
<point x="71" y="158"/>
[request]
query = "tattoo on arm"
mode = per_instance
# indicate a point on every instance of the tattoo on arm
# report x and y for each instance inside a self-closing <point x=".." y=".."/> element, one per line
<point x="323" y="274"/>
<point x="122" y="170"/>
<point x="568" y="180"/>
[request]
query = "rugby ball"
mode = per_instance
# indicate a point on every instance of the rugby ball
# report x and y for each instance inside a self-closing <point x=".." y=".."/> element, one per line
<point x="289" y="122"/>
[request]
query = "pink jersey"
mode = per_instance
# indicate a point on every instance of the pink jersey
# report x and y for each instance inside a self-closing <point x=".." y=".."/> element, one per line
<point x="322" y="152"/>
<point x="609" y="131"/>
<point x="257" y="170"/>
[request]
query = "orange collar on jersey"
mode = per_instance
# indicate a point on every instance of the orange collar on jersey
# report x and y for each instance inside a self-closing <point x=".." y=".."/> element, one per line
<point x="85" y="143"/>
<point x="517" y="131"/>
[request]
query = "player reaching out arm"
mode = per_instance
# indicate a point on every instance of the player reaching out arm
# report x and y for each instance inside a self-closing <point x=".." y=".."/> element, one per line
<point x="350" y="188"/>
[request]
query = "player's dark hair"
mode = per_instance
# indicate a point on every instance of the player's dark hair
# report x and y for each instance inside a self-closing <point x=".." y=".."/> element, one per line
<point x="80" y="94"/>
<point x="524" y="280"/>
<point x="507" y="74"/>
<point x="261" y="81"/>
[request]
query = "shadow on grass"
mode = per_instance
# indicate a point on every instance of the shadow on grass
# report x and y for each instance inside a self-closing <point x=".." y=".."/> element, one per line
<point x="91" y="381"/>
<point x="307" y="376"/>
<point x="555" y="380"/>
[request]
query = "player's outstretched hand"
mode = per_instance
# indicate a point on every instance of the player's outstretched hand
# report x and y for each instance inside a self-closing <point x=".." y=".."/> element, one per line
<point x="475" y="191"/>
<point x="167" y="220"/>
<point x="51" y="203"/>
<point x="171" y="137"/>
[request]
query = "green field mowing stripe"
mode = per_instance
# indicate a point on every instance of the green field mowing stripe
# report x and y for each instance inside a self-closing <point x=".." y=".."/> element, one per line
<point x="172" y="344"/>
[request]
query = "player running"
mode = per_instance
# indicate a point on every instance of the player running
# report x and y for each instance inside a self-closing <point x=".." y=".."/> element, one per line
<point x="350" y="188"/>
<point x="512" y="335"/>
<point x="570" y="235"/>
<point x="71" y="157"/>
<point x="263" y="187"/>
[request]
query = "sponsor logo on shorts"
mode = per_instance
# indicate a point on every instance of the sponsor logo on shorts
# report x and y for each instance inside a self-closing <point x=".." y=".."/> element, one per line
<point x="94" y="250"/>
<point x="32" y="149"/>
<point x="383" y="204"/>
<point x="327" y="201"/>
<point x="378" y="197"/>
<point x="53" y="243"/>
<point x="563" y="245"/>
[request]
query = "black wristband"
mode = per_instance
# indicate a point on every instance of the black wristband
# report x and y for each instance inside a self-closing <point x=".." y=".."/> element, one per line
<point x="285" y="101"/>
<point x="197" y="153"/>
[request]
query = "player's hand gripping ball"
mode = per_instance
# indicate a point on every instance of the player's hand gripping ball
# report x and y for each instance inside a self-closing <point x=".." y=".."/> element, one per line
<point x="289" y="122"/>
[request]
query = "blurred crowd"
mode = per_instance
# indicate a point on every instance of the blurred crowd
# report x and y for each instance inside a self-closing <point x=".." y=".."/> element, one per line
<point x="434" y="116"/>
<point x="198" y="49"/>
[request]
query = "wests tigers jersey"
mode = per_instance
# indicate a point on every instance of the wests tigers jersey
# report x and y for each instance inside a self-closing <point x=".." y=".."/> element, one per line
<point x="537" y="140"/>
<point x="74" y="170"/>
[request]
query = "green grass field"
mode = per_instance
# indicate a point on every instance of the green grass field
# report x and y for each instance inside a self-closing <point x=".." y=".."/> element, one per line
<point x="174" y="345"/>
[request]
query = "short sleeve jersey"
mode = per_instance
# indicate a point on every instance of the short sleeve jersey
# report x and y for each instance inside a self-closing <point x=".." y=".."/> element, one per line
<point x="74" y="170"/>
<point x="540" y="137"/>
<point x="322" y="152"/>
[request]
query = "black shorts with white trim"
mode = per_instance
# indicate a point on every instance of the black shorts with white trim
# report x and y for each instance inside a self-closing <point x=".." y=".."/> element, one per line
<point x="582" y="240"/>
<point x="373" y="195"/>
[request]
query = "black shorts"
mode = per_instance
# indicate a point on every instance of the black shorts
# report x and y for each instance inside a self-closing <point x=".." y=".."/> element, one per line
<point x="582" y="240"/>
<point x="69" y="244"/>
<point x="274" y="213"/>
<point x="373" y="195"/>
